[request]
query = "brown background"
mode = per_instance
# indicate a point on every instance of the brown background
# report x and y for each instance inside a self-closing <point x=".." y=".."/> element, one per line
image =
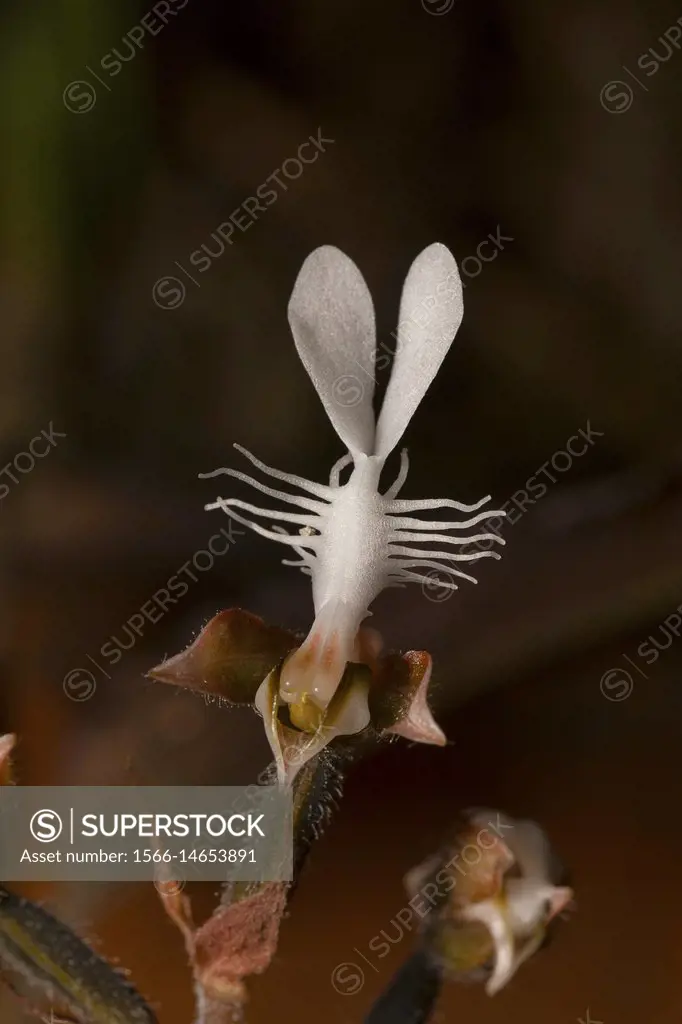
<point x="446" y="127"/>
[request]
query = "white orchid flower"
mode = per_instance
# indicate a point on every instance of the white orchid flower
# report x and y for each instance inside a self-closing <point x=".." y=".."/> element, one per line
<point x="518" y="916"/>
<point x="352" y="539"/>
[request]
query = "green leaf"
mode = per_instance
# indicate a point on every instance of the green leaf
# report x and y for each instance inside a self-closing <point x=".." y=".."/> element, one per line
<point x="54" y="971"/>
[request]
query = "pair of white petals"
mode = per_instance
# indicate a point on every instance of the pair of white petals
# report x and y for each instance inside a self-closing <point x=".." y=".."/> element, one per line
<point x="332" y="320"/>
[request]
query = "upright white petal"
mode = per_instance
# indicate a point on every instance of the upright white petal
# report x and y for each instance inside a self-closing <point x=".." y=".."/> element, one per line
<point x="490" y="912"/>
<point x="332" y="321"/>
<point x="431" y="309"/>
<point x="526" y="840"/>
<point x="530" y="845"/>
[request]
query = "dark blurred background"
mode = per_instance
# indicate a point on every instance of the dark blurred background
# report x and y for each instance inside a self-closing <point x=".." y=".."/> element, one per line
<point x="132" y="133"/>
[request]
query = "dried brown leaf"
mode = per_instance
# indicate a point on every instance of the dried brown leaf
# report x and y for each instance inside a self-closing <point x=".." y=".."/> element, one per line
<point x="237" y="941"/>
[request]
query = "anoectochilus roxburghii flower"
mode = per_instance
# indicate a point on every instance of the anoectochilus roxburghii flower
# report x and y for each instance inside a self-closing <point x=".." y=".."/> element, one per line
<point x="490" y="914"/>
<point x="352" y="539"/>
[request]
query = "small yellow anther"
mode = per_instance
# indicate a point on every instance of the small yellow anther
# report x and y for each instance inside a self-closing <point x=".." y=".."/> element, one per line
<point x="305" y="714"/>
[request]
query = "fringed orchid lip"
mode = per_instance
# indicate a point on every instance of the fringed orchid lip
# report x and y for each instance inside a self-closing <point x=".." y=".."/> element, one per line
<point x="352" y="539"/>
